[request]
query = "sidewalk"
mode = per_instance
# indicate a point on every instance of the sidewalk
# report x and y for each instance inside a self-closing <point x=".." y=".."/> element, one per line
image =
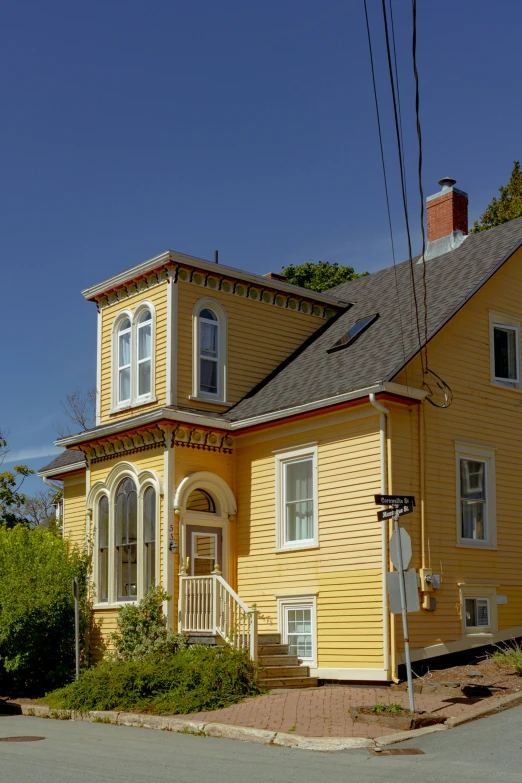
<point x="324" y="712"/>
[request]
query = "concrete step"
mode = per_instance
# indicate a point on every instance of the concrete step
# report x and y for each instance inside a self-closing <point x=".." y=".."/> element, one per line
<point x="278" y="660"/>
<point x="273" y="649"/>
<point x="291" y="682"/>
<point x="207" y="639"/>
<point x="269" y="638"/>
<point x="268" y="672"/>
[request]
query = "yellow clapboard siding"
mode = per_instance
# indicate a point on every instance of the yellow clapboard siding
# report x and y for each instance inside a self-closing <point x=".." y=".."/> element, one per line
<point x="158" y="297"/>
<point x="260" y="337"/>
<point x="74" y="494"/>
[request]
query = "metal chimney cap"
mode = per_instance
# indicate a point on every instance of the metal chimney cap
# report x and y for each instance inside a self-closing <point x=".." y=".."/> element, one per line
<point x="447" y="182"/>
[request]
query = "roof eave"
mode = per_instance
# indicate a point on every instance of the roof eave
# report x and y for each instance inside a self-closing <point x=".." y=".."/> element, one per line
<point x="75" y="466"/>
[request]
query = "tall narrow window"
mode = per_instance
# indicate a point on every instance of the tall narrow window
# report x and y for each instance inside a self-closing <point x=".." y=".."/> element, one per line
<point x="149" y="536"/>
<point x="208" y="352"/>
<point x="505" y="343"/>
<point x="298" y="499"/>
<point x="124" y="361"/>
<point x="473" y="499"/>
<point x="103" y="550"/>
<point x="144" y="345"/>
<point x="126" y="541"/>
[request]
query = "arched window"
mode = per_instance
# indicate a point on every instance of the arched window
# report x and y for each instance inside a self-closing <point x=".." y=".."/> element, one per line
<point x="199" y="500"/>
<point x="124" y="361"/>
<point x="208" y="352"/>
<point x="149" y="536"/>
<point x="144" y="352"/>
<point x="103" y="549"/>
<point x="126" y="541"/>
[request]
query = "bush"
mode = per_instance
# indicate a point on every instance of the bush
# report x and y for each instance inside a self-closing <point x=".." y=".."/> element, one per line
<point x="142" y="630"/>
<point x="511" y="655"/>
<point x="194" y="679"/>
<point x="37" y="609"/>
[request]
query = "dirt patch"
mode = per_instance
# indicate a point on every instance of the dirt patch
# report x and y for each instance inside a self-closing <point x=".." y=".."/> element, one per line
<point x="400" y="720"/>
<point x="499" y="678"/>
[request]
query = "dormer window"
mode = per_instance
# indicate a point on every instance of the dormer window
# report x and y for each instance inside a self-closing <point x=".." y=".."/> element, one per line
<point x="144" y="341"/>
<point x="124" y="361"/>
<point x="209" y="351"/>
<point x="133" y="357"/>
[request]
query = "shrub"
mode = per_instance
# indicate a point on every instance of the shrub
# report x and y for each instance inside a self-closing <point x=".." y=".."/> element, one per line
<point x="37" y="568"/>
<point x="142" y="630"/>
<point x="511" y="655"/>
<point x="194" y="679"/>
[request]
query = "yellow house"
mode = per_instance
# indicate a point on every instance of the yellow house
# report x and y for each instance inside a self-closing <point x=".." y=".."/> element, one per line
<point x="244" y="425"/>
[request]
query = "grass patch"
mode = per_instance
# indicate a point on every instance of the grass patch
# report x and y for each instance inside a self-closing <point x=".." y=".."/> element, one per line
<point x="388" y="708"/>
<point x="191" y="680"/>
<point x="510" y="655"/>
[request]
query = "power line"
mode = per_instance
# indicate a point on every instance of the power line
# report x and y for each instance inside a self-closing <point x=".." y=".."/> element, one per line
<point x="384" y="173"/>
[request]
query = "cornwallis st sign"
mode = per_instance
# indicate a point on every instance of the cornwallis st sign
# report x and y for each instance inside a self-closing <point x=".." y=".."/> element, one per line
<point x="394" y="500"/>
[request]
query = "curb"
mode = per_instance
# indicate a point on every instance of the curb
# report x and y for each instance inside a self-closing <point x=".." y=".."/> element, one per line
<point x="281" y="739"/>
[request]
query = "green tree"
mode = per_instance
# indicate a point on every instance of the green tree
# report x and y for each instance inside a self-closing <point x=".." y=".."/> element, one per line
<point x="11" y="499"/>
<point x="319" y="275"/>
<point x="37" y="569"/>
<point x="504" y="208"/>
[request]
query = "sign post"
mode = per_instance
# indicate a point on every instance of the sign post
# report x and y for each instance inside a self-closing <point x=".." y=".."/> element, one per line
<point x="403" y="610"/>
<point x="401" y="504"/>
<point x="76" y="625"/>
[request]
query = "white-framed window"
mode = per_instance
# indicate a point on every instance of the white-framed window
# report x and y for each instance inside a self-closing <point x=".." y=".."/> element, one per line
<point x="296" y="499"/>
<point x="126" y="511"/>
<point x="144" y="354"/>
<point x="298" y="626"/>
<point x="209" y="351"/>
<point x="124" y="354"/>
<point x="133" y="357"/>
<point x="505" y="350"/>
<point x="478" y="609"/>
<point x="476" y="496"/>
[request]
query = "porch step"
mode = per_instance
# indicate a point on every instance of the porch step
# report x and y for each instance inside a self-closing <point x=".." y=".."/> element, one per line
<point x="273" y="649"/>
<point x="269" y="672"/>
<point x="269" y="638"/>
<point x="291" y="682"/>
<point x="279" y="660"/>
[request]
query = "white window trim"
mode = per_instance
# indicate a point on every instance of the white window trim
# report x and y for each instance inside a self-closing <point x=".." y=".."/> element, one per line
<point x="134" y="401"/>
<point x="222" y="363"/>
<point x="485" y="592"/>
<point x="504" y="322"/>
<point x="306" y="601"/>
<point x="141" y="481"/>
<point x="467" y="451"/>
<point x="280" y="460"/>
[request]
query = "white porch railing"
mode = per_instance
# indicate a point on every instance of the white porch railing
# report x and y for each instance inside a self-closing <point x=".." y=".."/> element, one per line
<point x="207" y="604"/>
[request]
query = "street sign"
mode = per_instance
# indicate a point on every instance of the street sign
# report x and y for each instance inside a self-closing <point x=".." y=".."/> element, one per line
<point x="394" y="500"/>
<point x="410" y="587"/>
<point x="405" y="540"/>
<point x="388" y="513"/>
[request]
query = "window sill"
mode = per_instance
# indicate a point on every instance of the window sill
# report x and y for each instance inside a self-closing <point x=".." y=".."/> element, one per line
<point x="487" y="634"/>
<point x="514" y="387"/>
<point x="476" y="545"/>
<point x="212" y="400"/>
<point x="131" y="406"/>
<point x="297" y="547"/>
<point x="115" y="605"/>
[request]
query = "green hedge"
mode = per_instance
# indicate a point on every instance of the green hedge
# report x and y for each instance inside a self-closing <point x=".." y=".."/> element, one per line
<point x="37" y="609"/>
<point x="194" y="679"/>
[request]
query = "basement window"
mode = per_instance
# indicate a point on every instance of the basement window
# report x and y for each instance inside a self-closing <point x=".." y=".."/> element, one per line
<point x="353" y="333"/>
<point x="477" y="612"/>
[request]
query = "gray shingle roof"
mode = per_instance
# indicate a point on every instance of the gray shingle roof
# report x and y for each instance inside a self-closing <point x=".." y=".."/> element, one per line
<point x="379" y="353"/>
<point x="63" y="460"/>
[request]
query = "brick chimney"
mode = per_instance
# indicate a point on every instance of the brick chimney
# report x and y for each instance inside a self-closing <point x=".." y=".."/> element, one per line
<point x="447" y="218"/>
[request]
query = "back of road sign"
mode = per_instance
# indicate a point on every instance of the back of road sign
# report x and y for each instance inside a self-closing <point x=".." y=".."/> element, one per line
<point x="411" y="589"/>
<point x="406" y="549"/>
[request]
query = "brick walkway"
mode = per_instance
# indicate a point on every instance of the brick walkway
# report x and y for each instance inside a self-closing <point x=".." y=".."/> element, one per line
<point x="323" y="712"/>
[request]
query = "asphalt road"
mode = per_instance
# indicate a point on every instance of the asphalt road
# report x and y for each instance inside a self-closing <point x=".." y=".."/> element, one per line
<point x="75" y="752"/>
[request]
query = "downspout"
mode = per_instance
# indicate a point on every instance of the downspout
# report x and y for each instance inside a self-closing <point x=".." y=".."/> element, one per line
<point x="383" y="413"/>
<point x="422" y="482"/>
<point x="59" y="489"/>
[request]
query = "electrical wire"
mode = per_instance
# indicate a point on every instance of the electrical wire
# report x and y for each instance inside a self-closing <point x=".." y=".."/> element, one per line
<point x="384" y="175"/>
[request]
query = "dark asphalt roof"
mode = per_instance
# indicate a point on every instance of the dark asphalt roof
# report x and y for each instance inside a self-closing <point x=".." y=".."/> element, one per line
<point x="379" y="353"/>
<point x="63" y="460"/>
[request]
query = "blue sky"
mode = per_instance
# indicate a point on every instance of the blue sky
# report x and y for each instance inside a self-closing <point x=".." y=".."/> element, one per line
<point x="130" y="128"/>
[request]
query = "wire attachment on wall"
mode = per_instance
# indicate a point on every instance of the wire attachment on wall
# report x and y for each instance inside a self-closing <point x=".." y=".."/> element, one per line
<point x="443" y="386"/>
